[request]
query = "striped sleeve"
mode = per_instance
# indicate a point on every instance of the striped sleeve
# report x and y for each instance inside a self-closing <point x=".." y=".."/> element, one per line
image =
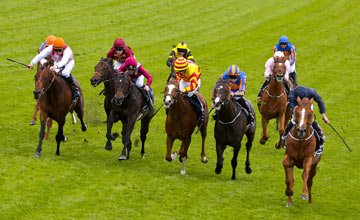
<point x="275" y="49"/>
<point x="190" y="56"/>
<point x="293" y="55"/>
<point x="242" y="87"/>
<point x="193" y="83"/>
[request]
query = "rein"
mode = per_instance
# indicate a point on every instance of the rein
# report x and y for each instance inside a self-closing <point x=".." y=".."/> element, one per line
<point x="50" y="84"/>
<point x="230" y="122"/>
<point x="102" y="75"/>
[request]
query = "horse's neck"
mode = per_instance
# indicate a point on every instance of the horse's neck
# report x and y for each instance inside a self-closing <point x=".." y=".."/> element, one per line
<point x="55" y="90"/>
<point x="276" y="88"/>
<point x="179" y="106"/>
<point x="228" y="112"/>
<point x="109" y="85"/>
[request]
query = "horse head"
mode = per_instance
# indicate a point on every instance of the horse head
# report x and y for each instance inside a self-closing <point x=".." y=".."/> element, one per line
<point x="102" y="70"/>
<point x="123" y="84"/>
<point x="44" y="77"/>
<point x="303" y="116"/>
<point x="221" y="94"/>
<point x="171" y="92"/>
<point x="279" y="68"/>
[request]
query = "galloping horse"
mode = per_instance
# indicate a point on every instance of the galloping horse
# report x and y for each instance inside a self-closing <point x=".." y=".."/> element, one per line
<point x="274" y="102"/>
<point x="123" y="102"/>
<point x="300" y="150"/>
<point x="55" y="99"/>
<point x="181" y="121"/>
<point x="230" y="126"/>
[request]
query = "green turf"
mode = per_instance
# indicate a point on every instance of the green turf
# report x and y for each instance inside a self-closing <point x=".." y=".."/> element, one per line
<point x="87" y="182"/>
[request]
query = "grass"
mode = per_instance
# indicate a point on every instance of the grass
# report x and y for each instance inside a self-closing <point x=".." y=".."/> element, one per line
<point x="87" y="182"/>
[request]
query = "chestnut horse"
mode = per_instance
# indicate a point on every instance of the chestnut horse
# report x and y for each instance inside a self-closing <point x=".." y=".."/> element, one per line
<point x="274" y="102"/>
<point x="230" y="126"/>
<point x="55" y="99"/>
<point x="300" y="150"/>
<point x="181" y="121"/>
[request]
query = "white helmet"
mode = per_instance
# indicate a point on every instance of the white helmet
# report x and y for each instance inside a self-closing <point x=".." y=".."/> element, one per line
<point x="279" y="54"/>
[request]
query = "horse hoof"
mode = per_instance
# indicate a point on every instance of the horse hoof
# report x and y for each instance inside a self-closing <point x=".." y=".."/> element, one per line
<point x="183" y="172"/>
<point x="83" y="128"/>
<point x="278" y="146"/>
<point x="233" y="178"/>
<point x="174" y="155"/>
<point x="57" y="153"/>
<point x="114" y="136"/>
<point x="37" y="154"/>
<point x="122" y="157"/>
<point x="33" y="122"/>
<point x="108" y="147"/>
<point x="304" y="197"/>
<point x="217" y="170"/>
<point x="142" y="156"/>
<point x="65" y="138"/>
<point x="288" y="204"/>
<point x="262" y="141"/>
<point x="248" y="170"/>
<point x="204" y="159"/>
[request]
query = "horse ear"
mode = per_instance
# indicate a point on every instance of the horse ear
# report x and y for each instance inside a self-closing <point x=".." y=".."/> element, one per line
<point x="311" y="101"/>
<point x="212" y="94"/>
<point x="298" y="100"/>
<point x="229" y="93"/>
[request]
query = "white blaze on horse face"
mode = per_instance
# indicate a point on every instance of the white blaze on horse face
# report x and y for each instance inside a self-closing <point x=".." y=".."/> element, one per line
<point x="280" y="64"/>
<point x="302" y="117"/>
<point x="168" y="98"/>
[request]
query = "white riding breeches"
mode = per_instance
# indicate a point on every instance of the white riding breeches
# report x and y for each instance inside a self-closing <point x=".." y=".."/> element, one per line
<point x="117" y="65"/>
<point x="140" y="81"/>
<point x="68" y="69"/>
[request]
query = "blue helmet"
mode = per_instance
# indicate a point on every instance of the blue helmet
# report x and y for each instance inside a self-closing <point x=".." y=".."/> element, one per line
<point x="283" y="39"/>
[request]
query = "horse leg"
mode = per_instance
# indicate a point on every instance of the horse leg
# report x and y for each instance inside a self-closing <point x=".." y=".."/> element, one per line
<point x="36" y="109"/>
<point x="183" y="155"/>
<point x="289" y="176"/>
<point x="79" y="109"/>
<point x="311" y="176"/>
<point x="126" y="133"/>
<point x="203" y="137"/>
<point x="234" y="160"/>
<point x="109" y="122"/>
<point x="60" y="135"/>
<point x="43" y="117"/>
<point x="169" y="144"/>
<point x="264" y="136"/>
<point x="220" y="148"/>
<point x="281" y="131"/>
<point x="305" y="176"/>
<point x="49" y="124"/>
<point x="143" y="131"/>
<point x="250" y="137"/>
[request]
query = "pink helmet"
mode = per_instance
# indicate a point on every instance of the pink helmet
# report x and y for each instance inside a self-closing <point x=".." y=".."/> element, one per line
<point x="119" y="42"/>
<point x="130" y="61"/>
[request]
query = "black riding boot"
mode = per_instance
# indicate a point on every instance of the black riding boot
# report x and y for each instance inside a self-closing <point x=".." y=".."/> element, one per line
<point x="250" y="117"/>
<point x="74" y="89"/>
<point x="293" y="76"/>
<point x="266" y="82"/>
<point x="148" y="100"/>
<point x="199" y="108"/>
<point x="287" y="87"/>
<point x="287" y="129"/>
<point x="320" y="133"/>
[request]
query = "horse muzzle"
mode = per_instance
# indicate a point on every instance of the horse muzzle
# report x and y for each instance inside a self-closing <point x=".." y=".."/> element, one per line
<point x="117" y="100"/>
<point x="279" y="78"/>
<point x="217" y="104"/>
<point x="94" y="82"/>
<point x="301" y="132"/>
<point x="37" y="94"/>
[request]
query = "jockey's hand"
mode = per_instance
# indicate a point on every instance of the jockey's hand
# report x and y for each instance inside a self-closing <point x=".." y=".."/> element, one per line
<point x="232" y="94"/>
<point x="212" y="105"/>
<point x="146" y="88"/>
<point x="326" y="120"/>
<point x="30" y="66"/>
<point x="52" y="68"/>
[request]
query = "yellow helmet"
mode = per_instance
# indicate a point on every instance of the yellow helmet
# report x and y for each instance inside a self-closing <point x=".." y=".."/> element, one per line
<point x="233" y="70"/>
<point x="182" y="47"/>
<point x="180" y="64"/>
<point x="59" y="43"/>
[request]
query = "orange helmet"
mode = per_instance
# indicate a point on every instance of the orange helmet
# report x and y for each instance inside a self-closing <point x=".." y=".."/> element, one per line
<point x="50" y="40"/>
<point x="59" y="43"/>
<point x="180" y="64"/>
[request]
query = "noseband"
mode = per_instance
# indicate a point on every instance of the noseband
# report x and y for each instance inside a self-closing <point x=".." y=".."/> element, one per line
<point x="44" y="90"/>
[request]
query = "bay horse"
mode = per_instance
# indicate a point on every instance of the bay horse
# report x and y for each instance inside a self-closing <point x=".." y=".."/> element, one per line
<point x="55" y="98"/>
<point x="181" y="121"/>
<point x="274" y="102"/>
<point x="300" y="150"/>
<point x="230" y="126"/>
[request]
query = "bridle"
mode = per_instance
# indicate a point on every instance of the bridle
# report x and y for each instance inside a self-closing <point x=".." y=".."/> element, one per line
<point x="102" y="75"/>
<point x="44" y="90"/>
<point x="125" y="76"/>
<point x="273" y="77"/>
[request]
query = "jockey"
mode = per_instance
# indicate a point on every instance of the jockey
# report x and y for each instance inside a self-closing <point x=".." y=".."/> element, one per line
<point x="137" y="74"/>
<point x="119" y="52"/>
<point x="269" y="66"/>
<point x="237" y="82"/>
<point x="181" y="50"/>
<point x="189" y="75"/>
<point x="304" y="92"/>
<point x="289" y="50"/>
<point x="49" y="40"/>
<point x="63" y="60"/>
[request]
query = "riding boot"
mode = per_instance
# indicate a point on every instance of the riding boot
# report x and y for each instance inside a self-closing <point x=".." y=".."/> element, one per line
<point x="287" y="129"/>
<point x="148" y="100"/>
<point x="250" y="116"/>
<point x="200" y="108"/>
<point x="74" y="89"/>
<point x="293" y="76"/>
<point x="320" y="132"/>
<point x="287" y="87"/>
<point x="266" y="82"/>
<point x="214" y="115"/>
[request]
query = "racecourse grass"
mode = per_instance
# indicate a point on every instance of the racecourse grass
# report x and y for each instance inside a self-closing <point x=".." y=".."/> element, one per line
<point x="87" y="182"/>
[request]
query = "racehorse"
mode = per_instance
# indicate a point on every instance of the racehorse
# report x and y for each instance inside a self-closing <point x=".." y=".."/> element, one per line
<point x="181" y="121"/>
<point x="300" y="150"/>
<point x="230" y="126"/>
<point x="55" y="99"/>
<point x="274" y="102"/>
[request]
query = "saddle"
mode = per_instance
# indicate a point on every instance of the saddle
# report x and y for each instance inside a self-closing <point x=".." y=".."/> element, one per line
<point x="196" y="103"/>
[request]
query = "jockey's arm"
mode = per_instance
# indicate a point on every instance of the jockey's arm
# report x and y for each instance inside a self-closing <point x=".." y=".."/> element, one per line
<point x="193" y="84"/>
<point x="293" y="55"/>
<point x="44" y="53"/>
<point x="242" y="87"/>
<point x="170" y="58"/>
<point x="65" y="59"/>
<point x="190" y="57"/>
<point x="146" y="74"/>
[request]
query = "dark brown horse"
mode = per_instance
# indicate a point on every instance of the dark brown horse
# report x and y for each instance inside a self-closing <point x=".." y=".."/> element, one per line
<point x="230" y="126"/>
<point x="55" y="99"/>
<point x="300" y="150"/>
<point x="274" y="102"/>
<point x="124" y="102"/>
<point x="181" y="121"/>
